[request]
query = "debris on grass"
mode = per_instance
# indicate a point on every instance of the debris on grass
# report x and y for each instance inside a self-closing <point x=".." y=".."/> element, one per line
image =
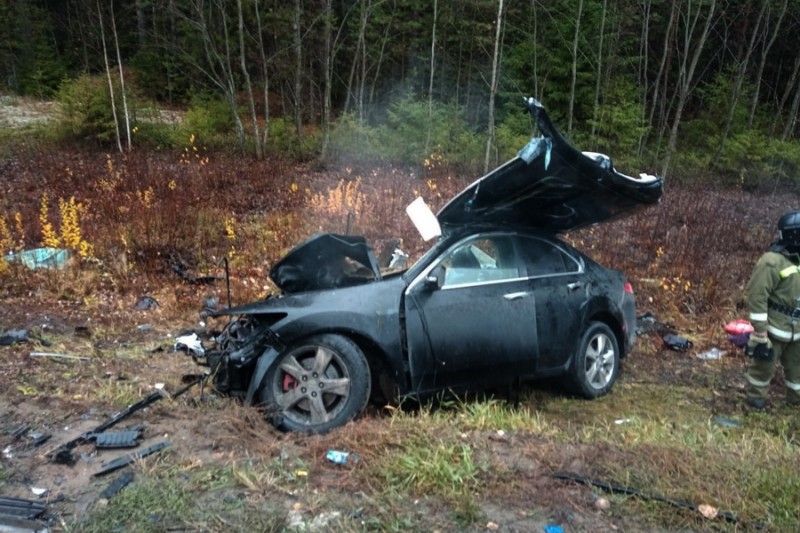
<point x="59" y="356"/>
<point x="41" y="258"/>
<point x="676" y="342"/>
<point x="146" y="303"/>
<point x="13" y="336"/>
<point x="712" y="354"/>
<point x="631" y="491"/>
<point x="21" y="509"/>
<point x="122" y="481"/>
<point x="125" y="460"/>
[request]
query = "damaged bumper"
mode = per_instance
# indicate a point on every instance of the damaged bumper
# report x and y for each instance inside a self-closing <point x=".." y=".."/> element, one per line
<point x="241" y="356"/>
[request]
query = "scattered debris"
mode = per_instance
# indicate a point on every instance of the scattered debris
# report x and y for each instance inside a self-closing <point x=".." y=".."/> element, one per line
<point x="340" y="458"/>
<point x="552" y="528"/>
<point x="189" y="278"/>
<point x="63" y="454"/>
<point x="38" y="491"/>
<point x="13" y="336"/>
<point x="726" y="422"/>
<point x="621" y="489"/>
<point x="41" y="258"/>
<point x="146" y="303"/>
<point x="20" y="508"/>
<point x="122" y="481"/>
<point x="125" y="460"/>
<point x="602" y="503"/>
<point x="15" y="525"/>
<point x="676" y="342"/>
<point x="739" y="332"/>
<point x="713" y="353"/>
<point x="144" y="327"/>
<point x="191" y="344"/>
<point x="648" y="323"/>
<point x="707" y="511"/>
<point x="621" y="421"/>
<point x="59" y="356"/>
<point x="118" y="439"/>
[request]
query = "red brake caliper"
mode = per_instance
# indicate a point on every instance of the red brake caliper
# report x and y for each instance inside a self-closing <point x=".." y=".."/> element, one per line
<point x="289" y="382"/>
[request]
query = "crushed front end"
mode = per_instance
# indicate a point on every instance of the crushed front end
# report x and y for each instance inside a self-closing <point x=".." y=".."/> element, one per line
<point x="233" y="358"/>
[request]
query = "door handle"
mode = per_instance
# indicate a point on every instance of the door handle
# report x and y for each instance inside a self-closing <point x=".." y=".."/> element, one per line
<point x="573" y="286"/>
<point x="515" y="295"/>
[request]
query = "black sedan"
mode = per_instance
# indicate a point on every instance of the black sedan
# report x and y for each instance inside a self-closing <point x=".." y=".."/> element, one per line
<point x="498" y="298"/>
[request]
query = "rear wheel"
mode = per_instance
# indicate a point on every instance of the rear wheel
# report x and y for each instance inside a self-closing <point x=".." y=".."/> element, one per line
<point x="318" y="384"/>
<point x="596" y="364"/>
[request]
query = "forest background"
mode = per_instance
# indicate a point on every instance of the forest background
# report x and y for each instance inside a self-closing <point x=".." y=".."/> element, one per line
<point x="204" y="138"/>
<point x="683" y="88"/>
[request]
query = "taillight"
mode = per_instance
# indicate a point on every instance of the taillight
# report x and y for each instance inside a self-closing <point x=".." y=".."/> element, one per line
<point x="628" y="287"/>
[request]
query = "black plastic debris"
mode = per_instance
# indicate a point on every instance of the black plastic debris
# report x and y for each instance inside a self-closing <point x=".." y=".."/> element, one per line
<point x="676" y="342"/>
<point x="125" y="460"/>
<point x="146" y="303"/>
<point x="631" y="491"/>
<point x="122" y="481"/>
<point x="649" y="323"/>
<point x="118" y="439"/>
<point x="20" y="508"/>
<point x="63" y="454"/>
<point x="13" y="336"/>
<point x="189" y="278"/>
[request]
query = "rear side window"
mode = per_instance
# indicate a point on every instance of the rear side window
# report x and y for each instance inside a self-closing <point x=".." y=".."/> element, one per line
<point x="543" y="258"/>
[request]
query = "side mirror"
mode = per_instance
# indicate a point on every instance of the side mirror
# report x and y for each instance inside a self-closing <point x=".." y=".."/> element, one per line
<point x="435" y="279"/>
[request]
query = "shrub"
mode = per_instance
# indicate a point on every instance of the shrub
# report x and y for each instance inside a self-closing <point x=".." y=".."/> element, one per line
<point x="85" y="110"/>
<point x="209" y="119"/>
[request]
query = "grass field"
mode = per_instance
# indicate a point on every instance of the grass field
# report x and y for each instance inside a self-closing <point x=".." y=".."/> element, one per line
<point x="675" y="427"/>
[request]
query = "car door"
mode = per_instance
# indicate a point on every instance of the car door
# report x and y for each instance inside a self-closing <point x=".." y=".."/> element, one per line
<point x="559" y="286"/>
<point x="476" y="323"/>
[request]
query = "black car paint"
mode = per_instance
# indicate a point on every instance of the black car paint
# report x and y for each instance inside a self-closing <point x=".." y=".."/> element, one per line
<point x="401" y="323"/>
<point x="384" y="319"/>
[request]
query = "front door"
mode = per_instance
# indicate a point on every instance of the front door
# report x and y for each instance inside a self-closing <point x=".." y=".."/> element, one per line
<point x="477" y="325"/>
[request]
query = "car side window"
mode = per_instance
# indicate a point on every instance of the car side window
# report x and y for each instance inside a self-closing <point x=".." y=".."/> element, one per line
<point x="481" y="259"/>
<point x="543" y="258"/>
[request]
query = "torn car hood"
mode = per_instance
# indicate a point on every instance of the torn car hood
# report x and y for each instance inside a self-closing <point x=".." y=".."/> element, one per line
<point x="326" y="261"/>
<point x="551" y="186"/>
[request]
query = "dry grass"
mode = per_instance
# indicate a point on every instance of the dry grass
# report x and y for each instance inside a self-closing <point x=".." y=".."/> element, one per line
<point x="452" y="467"/>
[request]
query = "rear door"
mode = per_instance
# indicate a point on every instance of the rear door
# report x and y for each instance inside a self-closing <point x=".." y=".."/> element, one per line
<point x="558" y="281"/>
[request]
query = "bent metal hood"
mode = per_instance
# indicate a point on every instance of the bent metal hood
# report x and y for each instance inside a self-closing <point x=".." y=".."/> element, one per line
<point x="326" y="261"/>
<point x="550" y="186"/>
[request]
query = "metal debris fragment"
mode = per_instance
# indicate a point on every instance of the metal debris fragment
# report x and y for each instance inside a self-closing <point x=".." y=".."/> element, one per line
<point x="21" y="508"/>
<point x="122" y="481"/>
<point x="125" y="460"/>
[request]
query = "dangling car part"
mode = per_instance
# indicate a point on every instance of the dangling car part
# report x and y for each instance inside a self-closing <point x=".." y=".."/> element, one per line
<point x="498" y="297"/>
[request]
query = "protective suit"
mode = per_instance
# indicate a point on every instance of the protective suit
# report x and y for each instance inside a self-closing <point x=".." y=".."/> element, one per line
<point x="773" y="298"/>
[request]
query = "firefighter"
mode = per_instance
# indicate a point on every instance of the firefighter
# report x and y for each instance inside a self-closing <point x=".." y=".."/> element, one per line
<point x="773" y="298"/>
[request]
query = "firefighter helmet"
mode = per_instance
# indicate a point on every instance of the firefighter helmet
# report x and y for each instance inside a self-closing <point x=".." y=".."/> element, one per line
<point x="789" y="229"/>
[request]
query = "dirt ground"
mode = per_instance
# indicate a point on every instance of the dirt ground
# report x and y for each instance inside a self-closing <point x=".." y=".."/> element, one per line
<point x="218" y="431"/>
<point x="128" y="353"/>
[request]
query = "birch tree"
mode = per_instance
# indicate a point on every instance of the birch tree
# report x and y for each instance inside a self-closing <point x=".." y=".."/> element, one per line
<point x="246" y="75"/>
<point x="493" y="85"/>
<point x="691" y="48"/>
<point x="430" y="84"/>
<point x="108" y="76"/>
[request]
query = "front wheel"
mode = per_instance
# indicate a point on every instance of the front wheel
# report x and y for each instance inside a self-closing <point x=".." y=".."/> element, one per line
<point x="318" y="384"/>
<point x="596" y="364"/>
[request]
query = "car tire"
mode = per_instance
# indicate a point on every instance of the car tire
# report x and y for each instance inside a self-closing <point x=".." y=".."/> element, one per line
<point x="316" y="385"/>
<point x="596" y="363"/>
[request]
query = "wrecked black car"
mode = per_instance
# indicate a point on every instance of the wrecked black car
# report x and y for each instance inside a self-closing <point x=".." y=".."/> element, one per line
<point x="497" y="299"/>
